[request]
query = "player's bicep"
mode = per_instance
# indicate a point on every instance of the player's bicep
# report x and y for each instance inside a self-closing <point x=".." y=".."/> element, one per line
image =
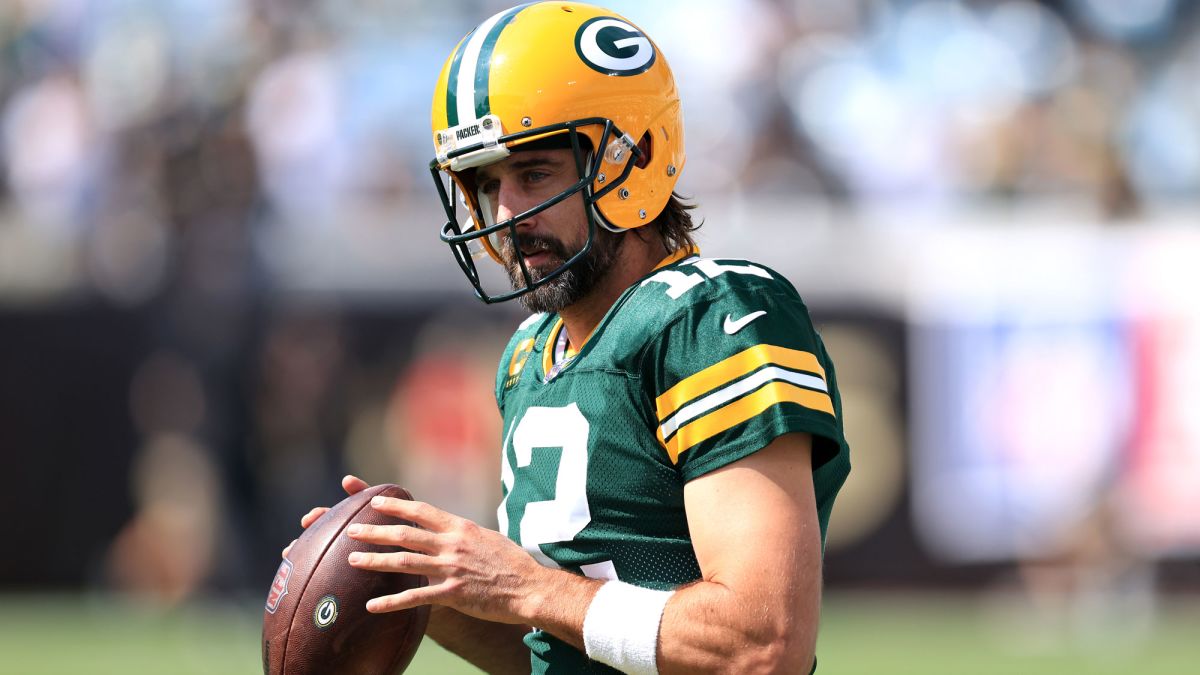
<point x="754" y="528"/>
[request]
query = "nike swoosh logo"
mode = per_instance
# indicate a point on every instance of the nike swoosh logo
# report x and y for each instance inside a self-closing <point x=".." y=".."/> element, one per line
<point x="732" y="326"/>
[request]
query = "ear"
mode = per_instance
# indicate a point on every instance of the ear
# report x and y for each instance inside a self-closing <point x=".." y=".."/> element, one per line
<point x="644" y="147"/>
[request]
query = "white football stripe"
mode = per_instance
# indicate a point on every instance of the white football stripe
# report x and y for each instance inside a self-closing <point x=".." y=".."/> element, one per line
<point x="722" y="396"/>
<point x="465" y="91"/>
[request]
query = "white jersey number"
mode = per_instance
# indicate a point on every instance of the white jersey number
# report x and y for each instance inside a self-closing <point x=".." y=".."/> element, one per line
<point x="561" y="518"/>
<point x="680" y="281"/>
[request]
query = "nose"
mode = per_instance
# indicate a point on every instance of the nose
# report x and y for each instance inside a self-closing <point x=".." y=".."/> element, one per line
<point x="510" y="201"/>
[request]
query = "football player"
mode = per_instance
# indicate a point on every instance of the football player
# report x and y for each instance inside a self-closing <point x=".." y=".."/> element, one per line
<point x="672" y="441"/>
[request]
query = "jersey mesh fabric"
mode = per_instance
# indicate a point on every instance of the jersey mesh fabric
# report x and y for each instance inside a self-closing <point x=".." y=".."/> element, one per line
<point x="677" y="380"/>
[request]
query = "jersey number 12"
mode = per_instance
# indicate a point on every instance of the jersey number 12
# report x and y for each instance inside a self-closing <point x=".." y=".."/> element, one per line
<point x="561" y="518"/>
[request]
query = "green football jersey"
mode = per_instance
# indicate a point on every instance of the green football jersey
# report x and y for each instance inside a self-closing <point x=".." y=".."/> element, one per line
<point x="701" y="363"/>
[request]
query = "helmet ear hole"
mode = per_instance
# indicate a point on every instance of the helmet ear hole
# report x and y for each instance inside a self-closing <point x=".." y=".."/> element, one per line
<point x="645" y="145"/>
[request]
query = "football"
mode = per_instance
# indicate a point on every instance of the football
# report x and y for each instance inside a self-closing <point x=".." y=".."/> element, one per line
<point x="316" y="618"/>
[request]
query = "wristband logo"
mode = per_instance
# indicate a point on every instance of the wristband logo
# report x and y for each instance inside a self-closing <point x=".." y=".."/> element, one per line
<point x="614" y="47"/>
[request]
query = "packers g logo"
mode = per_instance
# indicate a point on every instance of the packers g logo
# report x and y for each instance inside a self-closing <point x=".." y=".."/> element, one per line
<point x="614" y="47"/>
<point x="326" y="612"/>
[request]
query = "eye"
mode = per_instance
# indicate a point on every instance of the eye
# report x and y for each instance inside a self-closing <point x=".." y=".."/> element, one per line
<point x="489" y="186"/>
<point x="536" y="175"/>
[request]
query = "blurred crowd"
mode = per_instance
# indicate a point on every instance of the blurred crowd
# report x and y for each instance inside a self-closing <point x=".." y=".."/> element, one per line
<point x="127" y="122"/>
<point x="154" y="154"/>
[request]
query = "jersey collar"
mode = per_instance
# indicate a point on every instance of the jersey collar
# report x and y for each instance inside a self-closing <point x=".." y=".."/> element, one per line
<point x="677" y="256"/>
<point x="557" y="353"/>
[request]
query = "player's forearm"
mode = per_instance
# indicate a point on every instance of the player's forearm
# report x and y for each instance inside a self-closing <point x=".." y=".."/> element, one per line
<point x="495" y="648"/>
<point x="708" y="627"/>
<point x="557" y="602"/>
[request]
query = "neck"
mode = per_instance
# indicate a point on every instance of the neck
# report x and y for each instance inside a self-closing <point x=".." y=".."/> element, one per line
<point x="641" y="251"/>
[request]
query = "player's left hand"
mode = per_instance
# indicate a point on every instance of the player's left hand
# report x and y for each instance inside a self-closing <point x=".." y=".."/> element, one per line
<point x="475" y="570"/>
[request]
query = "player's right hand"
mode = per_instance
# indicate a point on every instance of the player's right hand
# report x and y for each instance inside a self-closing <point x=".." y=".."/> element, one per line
<point x="351" y="484"/>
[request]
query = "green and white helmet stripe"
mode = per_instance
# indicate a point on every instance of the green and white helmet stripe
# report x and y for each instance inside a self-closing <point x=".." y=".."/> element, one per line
<point x="467" y="84"/>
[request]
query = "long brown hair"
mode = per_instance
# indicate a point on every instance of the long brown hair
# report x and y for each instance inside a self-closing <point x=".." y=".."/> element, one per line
<point x="676" y="225"/>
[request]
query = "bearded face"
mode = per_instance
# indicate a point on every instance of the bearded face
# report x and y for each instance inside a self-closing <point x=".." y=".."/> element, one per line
<point x="551" y="236"/>
<point x="548" y="254"/>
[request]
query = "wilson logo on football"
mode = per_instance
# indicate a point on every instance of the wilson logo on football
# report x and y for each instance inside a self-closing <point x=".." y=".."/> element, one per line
<point x="279" y="586"/>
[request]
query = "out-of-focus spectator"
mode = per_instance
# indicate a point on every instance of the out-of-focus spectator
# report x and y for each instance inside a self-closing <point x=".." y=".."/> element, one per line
<point x="441" y="433"/>
<point x="167" y="550"/>
<point x="48" y="144"/>
<point x="940" y="104"/>
<point x="294" y="117"/>
<point x="300" y="409"/>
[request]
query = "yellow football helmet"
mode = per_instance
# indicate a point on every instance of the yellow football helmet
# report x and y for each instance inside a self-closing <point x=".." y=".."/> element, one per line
<point x="556" y="71"/>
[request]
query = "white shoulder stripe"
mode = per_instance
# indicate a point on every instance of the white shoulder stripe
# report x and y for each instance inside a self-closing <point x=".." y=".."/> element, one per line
<point x="726" y="394"/>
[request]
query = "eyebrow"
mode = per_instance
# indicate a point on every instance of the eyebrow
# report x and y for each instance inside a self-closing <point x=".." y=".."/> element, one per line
<point x="536" y="161"/>
<point x="522" y="164"/>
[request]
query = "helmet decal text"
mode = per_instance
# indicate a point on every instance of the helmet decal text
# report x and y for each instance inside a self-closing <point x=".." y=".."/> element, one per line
<point x="614" y="47"/>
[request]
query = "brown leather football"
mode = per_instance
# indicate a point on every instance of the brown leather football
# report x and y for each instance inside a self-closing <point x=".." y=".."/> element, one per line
<point x="316" y="618"/>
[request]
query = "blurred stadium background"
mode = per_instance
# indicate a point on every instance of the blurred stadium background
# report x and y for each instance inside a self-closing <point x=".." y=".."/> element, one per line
<point x="221" y="289"/>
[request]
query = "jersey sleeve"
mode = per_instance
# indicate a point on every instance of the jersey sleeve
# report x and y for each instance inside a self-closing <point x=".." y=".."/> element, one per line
<point x="733" y="371"/>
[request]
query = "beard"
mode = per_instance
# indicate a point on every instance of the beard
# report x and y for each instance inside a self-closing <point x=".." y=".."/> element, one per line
<point x="572" y="285"/>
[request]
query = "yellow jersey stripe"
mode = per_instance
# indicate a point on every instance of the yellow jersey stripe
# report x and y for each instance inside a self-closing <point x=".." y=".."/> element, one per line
<point x="732" y="368"/>
<point x="742" y="410"/>
<point x="677" y="256"/>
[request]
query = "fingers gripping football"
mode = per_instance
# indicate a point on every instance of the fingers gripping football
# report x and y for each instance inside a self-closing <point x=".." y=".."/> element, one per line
<point x="426" y="515"/>
<point x="351" y="484"/>
<point x="305" y="522"/>
<point x="475" y="570"/>
<point x="311" y="517"/>
<point x="398" y="535"/>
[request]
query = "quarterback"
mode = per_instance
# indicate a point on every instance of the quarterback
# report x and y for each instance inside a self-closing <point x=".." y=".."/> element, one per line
<point x="672" y="430"/>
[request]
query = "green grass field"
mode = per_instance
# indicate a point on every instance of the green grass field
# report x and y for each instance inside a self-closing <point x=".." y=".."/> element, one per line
<point x="895" y="634"/>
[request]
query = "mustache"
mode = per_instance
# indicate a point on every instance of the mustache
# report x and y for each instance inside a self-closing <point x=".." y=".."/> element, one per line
<point x="530" y="244"/>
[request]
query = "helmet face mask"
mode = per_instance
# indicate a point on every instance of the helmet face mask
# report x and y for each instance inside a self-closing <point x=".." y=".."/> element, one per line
<point x="539" y="72"/>
<point x="483" y="234"/>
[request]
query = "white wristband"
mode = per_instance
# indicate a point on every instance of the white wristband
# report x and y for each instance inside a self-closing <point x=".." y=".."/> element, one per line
<point x="621" y="627"/>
